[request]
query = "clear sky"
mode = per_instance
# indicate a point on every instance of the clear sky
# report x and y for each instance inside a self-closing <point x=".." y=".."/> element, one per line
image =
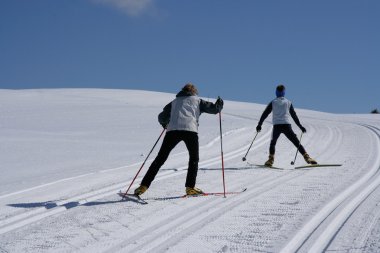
<point x="326" y="52"/>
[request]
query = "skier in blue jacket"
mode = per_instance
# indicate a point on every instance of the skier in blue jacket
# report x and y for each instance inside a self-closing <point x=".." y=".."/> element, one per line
<point x="282" y="109"/>
<point x="180" y="117"/>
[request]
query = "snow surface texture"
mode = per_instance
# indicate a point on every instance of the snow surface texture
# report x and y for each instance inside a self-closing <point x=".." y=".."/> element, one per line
<point x="65" y="153"/>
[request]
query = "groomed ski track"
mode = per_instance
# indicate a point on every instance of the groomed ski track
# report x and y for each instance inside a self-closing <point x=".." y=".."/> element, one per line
<point x="282" y="211"/>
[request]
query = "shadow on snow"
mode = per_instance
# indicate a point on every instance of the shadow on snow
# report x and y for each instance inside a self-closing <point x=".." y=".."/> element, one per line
<point x="69" y="205"/>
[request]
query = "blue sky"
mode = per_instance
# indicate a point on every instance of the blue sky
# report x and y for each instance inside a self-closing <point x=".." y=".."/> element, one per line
<point x="326" y="52"/>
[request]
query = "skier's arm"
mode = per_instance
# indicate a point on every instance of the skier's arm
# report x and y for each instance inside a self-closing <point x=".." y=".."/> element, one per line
<point x="212" y="108"/>
<point x="295" y="118"/>
<point x="164" y="116"/>
<point x="265" y="114"/>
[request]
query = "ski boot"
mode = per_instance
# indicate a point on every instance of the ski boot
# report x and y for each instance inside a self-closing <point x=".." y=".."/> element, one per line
<point x="193" y="191"/>
<point x="140" y="190"/>
<point x="308" y="159"/>
<point x="270" y="161"/>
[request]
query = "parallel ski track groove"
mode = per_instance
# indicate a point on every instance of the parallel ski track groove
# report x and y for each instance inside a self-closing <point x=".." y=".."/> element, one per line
<point x="353" y="195"/>
<point x="346" y="214"/>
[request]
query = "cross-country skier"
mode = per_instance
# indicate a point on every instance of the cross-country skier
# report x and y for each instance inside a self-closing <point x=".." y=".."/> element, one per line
<point x="282" y="109"/>
<point x="181" y="117"/>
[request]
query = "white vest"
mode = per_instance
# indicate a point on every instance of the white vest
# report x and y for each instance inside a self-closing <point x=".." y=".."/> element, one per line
<point x="184" y="115"/>
<point x="280" y="111"/>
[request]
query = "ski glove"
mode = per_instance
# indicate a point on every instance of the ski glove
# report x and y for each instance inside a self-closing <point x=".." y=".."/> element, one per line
<point x="164" y="123"/>
<point x="303" y="129"/>
<point x="219" y="104"/>
<point x="258" y="128"/>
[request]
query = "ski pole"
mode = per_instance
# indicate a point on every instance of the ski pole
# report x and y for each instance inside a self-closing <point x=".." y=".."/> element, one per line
<point x="144" y="162"/>
<point x="221" y="149"/>
<point x="244" y="158"/>
<point x="292" y="162"/>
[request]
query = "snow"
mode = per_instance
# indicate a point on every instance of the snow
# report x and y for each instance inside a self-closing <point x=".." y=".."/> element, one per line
<point x="65" y="153"/>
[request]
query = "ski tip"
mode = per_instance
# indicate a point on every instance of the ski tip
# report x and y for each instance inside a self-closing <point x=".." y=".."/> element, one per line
<point x="124" y="194"/>
<point x="132" y="197"/>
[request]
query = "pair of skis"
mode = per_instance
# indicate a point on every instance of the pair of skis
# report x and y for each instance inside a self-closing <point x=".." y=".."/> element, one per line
<point x="292" y="162"/>
<point x="138" y="199"/>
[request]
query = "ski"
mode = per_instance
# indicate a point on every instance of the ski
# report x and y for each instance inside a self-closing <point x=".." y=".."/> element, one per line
<point x="265" y="166"/>
<point x="317" y="165"/>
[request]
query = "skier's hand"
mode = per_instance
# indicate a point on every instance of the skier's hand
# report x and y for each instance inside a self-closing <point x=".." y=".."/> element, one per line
<point x="164" y="124"/>
<point x="258" y="128"/>
<point x="219" y="104"/>
<point x="303" y="129"/>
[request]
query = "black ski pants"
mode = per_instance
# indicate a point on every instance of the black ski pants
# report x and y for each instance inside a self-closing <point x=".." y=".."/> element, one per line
<point x="288" y="131"/>
<point x="172" y="138"/>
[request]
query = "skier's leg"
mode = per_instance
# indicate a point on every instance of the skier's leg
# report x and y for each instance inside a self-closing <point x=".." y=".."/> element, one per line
<point x="288" y="131"/>
<point x="275" y="134"/>
<point x="170" y="141"/>
<point x="272" y="147"/>
<point x="192" y="144"/>
<point x="293" y="138"/>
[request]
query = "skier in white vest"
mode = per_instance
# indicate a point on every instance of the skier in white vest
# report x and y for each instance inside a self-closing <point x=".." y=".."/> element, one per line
<point x="180" y="117"/>
<point x="282" y="109"/>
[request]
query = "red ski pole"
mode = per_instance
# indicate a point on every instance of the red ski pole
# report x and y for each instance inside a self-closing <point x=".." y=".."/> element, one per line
<point x="221" y="149"/>
<point x="144" y="162"/>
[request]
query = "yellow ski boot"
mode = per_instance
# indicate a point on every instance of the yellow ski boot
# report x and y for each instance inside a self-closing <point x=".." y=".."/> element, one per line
<point x="193" y="191"/>
<point x="308" y="159"/>
<point x="140" y="190"/>
<point x="270" y="161"/>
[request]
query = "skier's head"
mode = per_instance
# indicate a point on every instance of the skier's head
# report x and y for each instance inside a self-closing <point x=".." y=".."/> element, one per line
<point x="190" y="88"/>
<point x="280" y="91"/>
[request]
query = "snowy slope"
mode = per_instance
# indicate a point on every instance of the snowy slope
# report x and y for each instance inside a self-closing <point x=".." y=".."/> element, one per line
<point x="65" y="153"/>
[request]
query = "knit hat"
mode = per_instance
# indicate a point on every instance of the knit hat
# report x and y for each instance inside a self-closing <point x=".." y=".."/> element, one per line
<point x="280" y="91"/>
